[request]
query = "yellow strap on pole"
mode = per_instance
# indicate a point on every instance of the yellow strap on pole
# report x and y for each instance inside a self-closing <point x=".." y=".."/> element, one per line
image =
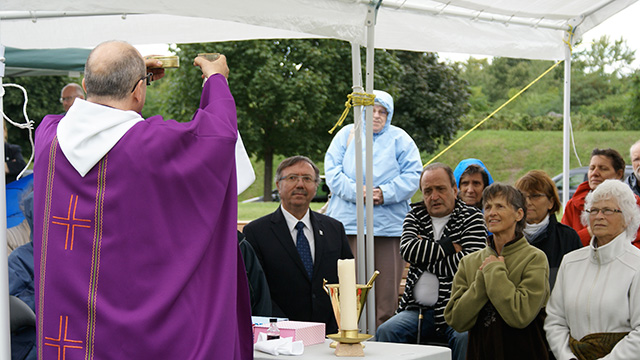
<point x="571" y="35"/>
<point x="494" y="112"/>
<point x="353" y="99"/>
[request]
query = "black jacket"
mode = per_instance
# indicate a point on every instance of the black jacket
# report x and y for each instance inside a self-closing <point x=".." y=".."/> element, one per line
<point x="15" y="161"/>
<point x="632" y="181"/>
<point x="258" y="286"/>
<point x="293" y="294"/>
<point x="557" y="240"/>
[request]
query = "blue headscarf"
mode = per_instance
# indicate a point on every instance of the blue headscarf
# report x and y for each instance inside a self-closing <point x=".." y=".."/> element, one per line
<point x="464" y="164"/>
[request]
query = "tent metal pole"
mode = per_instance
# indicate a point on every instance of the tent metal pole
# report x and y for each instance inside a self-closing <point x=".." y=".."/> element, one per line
<point x="371" y="302"/>
<point x="357" y="128"/>
<point x="5" y="334"/>
<point x="566" y="129"/>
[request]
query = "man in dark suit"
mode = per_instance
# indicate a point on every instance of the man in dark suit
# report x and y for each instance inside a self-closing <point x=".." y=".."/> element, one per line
<point x="298" y="247"/>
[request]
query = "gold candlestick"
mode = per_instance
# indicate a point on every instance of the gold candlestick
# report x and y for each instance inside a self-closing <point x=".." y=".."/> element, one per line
<point x="348" y="342"/>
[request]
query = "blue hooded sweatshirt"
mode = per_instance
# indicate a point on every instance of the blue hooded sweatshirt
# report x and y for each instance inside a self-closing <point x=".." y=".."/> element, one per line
<point x="396" y="171"/>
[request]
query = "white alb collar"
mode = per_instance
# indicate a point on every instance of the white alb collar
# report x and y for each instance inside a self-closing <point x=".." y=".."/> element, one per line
<point x="89" y="130"/>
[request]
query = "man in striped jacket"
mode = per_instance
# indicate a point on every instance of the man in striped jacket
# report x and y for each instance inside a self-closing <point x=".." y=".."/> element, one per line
<point x="436" y="234"/>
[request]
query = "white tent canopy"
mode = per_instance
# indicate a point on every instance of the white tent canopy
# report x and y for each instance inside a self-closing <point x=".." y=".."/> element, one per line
<point x="515" y="28"/>
<point x="534" y="29"/>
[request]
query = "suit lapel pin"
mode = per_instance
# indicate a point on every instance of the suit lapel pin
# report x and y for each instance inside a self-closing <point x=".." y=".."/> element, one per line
<point x="321" y="233"/>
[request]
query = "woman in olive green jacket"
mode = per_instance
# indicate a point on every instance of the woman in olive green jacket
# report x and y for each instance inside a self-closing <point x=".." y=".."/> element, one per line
<point x="499" y="292"/>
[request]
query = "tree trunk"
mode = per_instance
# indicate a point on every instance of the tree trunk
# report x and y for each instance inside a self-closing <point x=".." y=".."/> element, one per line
<point x="268" y="175"/>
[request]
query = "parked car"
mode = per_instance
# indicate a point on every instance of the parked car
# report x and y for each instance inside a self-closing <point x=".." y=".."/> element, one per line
<point x="579" y="175"/>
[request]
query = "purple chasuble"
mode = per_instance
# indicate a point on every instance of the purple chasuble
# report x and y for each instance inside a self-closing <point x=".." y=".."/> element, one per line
<point x="139" y="259"/>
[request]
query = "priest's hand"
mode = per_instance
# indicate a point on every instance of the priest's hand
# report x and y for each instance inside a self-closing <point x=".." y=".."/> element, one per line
<point x="154" y="66"/>
<point x="219" y="66"/>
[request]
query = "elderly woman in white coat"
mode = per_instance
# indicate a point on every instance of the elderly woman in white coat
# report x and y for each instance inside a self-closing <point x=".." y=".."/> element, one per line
<point x="594" y="309"/>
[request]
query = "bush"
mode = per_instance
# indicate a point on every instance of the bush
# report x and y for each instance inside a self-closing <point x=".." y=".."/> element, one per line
<point x="590" y="122"/>
<point x="517" y="121"/>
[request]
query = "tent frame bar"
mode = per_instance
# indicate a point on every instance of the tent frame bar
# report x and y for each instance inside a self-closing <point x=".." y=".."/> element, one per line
<point x="566" y="127"/>
<point x="357" y="140"/>
<point x="365" y="244"/>
<point x="479" y="15"/>
<point x="34" y="16"/>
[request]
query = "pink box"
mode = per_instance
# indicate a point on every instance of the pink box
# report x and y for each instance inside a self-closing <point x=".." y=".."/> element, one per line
<point x="309" y="332"/>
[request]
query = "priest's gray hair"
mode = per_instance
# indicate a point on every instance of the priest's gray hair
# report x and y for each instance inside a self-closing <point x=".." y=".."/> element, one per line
<point x="613" y="189"/>
<point x="112" y="70"/>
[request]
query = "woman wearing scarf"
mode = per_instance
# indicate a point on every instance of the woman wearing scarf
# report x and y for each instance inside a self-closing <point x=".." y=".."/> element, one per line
<point x="543" y="229"/>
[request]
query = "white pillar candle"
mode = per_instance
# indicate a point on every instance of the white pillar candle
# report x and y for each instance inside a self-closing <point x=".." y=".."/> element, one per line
<point x="348" y="305"/>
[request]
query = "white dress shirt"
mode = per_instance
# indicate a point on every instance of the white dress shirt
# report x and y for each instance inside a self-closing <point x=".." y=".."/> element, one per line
<point x="308" y="230"/>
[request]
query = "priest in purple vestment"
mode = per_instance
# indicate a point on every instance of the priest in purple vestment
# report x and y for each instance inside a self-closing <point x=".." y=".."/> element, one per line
<point x="135" y="222"/>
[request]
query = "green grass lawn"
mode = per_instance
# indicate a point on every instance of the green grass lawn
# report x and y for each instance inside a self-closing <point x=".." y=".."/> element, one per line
<point x="510" y="154"/>
<point x="507" y="154"/>
<point x="254" y="210"/>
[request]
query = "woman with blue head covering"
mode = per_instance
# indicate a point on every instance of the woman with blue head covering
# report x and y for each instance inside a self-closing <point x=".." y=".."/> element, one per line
<point x="472" y="176"/>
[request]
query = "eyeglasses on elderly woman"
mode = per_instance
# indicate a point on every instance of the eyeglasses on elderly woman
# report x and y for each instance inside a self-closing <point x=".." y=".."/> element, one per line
<point x="605" y="211"/>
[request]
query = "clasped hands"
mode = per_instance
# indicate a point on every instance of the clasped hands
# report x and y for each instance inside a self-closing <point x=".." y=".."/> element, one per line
<point x="378" y="198"/>
<point x="490" y="259"/>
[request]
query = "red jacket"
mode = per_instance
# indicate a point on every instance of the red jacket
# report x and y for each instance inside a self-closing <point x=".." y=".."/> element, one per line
<point x="574" y="208"/>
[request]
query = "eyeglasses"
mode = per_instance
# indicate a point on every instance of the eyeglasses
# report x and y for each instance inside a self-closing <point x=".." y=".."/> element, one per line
<point x="605" y="211"/>
<point x="534" y="196"/>
<point x="292" y="179"/>
<point x="149" y="77"/>
<point x="382" y="111"/>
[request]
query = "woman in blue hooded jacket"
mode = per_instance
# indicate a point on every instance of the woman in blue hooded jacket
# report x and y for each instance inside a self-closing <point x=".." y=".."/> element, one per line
<point x="396" y="176"/>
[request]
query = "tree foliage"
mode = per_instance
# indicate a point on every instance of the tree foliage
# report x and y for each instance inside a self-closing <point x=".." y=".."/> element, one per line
<point x="290" y="92"/>
<point x="601" y="90"/>
<point x="43" y="98"/>
<point x="605" y="58"/>
<point x="634" y="100"/>
<point x="431" y="99"/>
